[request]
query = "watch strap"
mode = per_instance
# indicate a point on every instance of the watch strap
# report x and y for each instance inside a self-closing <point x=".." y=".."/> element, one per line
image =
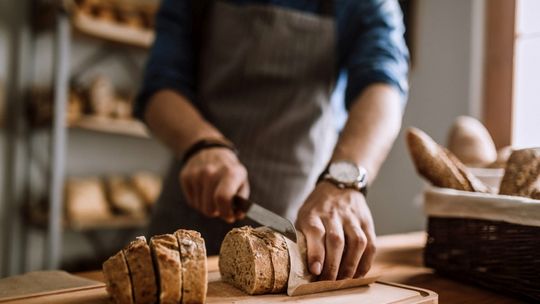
<point x="208" y="143"/>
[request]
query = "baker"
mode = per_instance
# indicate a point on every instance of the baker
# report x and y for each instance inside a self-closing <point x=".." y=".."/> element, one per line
<point x="240" y="91"/>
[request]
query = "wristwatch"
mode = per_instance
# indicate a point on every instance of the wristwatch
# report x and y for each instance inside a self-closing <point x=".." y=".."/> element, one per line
<point x="346" y="174"/>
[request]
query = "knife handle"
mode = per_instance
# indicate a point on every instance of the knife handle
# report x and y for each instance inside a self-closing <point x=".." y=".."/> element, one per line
<point x="240" y="204"/>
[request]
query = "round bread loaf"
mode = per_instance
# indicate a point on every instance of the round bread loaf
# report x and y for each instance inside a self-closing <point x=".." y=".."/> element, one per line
<point x="522" y="174"/>
<point x="245" y="261"/>
<point x="471" y="143"/>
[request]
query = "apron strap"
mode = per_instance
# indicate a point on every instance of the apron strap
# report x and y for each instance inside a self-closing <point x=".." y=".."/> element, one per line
<point x="326" y="8"/>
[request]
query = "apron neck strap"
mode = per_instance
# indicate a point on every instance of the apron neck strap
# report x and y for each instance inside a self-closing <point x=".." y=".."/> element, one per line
<point x="326" y="8"/>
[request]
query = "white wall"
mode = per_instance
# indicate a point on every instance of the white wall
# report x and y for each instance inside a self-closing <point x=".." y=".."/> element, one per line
<point x="440" y="90"/>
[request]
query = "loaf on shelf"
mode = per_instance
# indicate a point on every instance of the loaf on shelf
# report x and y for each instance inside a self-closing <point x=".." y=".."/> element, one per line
<point x="85" y="200"/>
<point x="255" y="260"/>
<point x="440" y="166"/>
<point x="172" y="269"/>
<point x="124" y="197"/>
<point x="148" y="186"/>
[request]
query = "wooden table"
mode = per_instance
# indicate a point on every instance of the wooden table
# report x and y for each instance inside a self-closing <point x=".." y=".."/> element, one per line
<point x="400" y="256"/>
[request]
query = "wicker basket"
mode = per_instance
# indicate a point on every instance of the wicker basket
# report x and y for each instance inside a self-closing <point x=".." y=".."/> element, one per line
<point x="488" y="240"/>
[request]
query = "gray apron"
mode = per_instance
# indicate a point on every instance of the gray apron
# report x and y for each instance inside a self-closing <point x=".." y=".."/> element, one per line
<point x="265" y="80"/>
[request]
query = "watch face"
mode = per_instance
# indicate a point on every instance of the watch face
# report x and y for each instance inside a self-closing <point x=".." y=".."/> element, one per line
<point x="344" y="172"/>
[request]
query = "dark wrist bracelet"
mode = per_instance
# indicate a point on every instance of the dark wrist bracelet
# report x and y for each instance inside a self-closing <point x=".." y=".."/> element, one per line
<point x="207" y="144"/>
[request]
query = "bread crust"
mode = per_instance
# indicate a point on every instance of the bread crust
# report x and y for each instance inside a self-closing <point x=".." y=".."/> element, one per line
<point x="143" y="277"/>
<point x="279" y="255"/>
<point x="522" y="174"/>
<point x="168" y="268"/>
<point x="245" y="261"/>
<point x="116" y="273"/>
<point x="439" y="165"/>
<point x="194" y="267"/>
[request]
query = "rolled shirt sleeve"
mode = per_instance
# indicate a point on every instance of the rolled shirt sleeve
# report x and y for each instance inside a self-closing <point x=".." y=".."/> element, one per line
<point x="377" y="50"/>
<point x="170" y="64"/>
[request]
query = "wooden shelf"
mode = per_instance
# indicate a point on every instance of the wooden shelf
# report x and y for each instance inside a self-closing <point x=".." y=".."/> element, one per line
<point x="112" y="32"/>
<point x="128" y="127"/>
<point x="39" y="219"/>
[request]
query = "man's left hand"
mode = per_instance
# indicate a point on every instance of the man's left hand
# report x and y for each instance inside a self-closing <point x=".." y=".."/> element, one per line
<point x="339" y="231"/>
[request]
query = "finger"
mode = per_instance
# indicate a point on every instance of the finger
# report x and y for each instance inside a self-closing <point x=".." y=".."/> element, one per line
<point x="208" y="187"/>
<point x="335" y="243"/>
<point x="227" y="187"/>
<point x="355" y="244"/>
<point x="369" y="253"/>
<point x="243" y="192"/>
<point x="313" y="230"/>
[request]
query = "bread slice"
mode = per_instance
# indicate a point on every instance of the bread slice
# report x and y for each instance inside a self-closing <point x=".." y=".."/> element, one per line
<point x="116" y="273"/>
<point x="522" y="174"/>
<point x="279" y="255"/>
<point x="140" y="265"/>
<point x="168" y="268"/>
<point x="194" y="268"/>
<point x="245" y="261"/>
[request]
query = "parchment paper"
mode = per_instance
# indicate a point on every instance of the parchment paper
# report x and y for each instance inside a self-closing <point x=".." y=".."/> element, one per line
<point x="302" y="282"/>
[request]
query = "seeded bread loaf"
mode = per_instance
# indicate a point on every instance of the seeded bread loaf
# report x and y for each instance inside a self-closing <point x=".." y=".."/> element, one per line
<point x="116" y="273"/>
<point x="279" y="256"/>
<point x="142" y="273"/>
<point x="522" y="174"/>
<point x="250" y="259"/>
<point x="439" y="166"/>
<point x="194" y="268"/>
<point x="168" y="268"/>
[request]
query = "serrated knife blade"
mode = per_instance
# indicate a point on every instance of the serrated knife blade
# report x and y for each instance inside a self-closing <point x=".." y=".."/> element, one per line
<point x="265" y="217"/>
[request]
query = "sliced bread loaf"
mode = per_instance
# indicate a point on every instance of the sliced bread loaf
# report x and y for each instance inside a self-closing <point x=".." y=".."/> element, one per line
<point x="279" y="255"/>
<point x="168" y="268"/>
<point x="116" y="273"/>
<point x="245" y="261"/>
<point x="194" y="268"/>
<point x="140" y="265"/>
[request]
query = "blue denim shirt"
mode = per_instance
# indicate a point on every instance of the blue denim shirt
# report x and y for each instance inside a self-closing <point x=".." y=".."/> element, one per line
<point x="370" y="46"/>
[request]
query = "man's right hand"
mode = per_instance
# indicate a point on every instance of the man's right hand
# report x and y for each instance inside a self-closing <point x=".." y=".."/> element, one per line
<point x="210" y="179"/>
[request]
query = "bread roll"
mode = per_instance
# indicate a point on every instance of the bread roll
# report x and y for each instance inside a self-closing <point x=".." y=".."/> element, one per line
<point x="522" y="174"/>
<point x="471" y="143"/>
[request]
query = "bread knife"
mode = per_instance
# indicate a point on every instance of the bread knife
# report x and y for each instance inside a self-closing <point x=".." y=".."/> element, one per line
<point x="265" y="217"/>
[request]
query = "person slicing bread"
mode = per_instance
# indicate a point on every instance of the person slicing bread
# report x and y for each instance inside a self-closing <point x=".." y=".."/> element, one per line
<point x="240" y="92"/>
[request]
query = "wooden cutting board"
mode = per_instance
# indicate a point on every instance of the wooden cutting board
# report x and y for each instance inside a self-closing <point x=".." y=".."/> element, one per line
<point x="220" y="292"/>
